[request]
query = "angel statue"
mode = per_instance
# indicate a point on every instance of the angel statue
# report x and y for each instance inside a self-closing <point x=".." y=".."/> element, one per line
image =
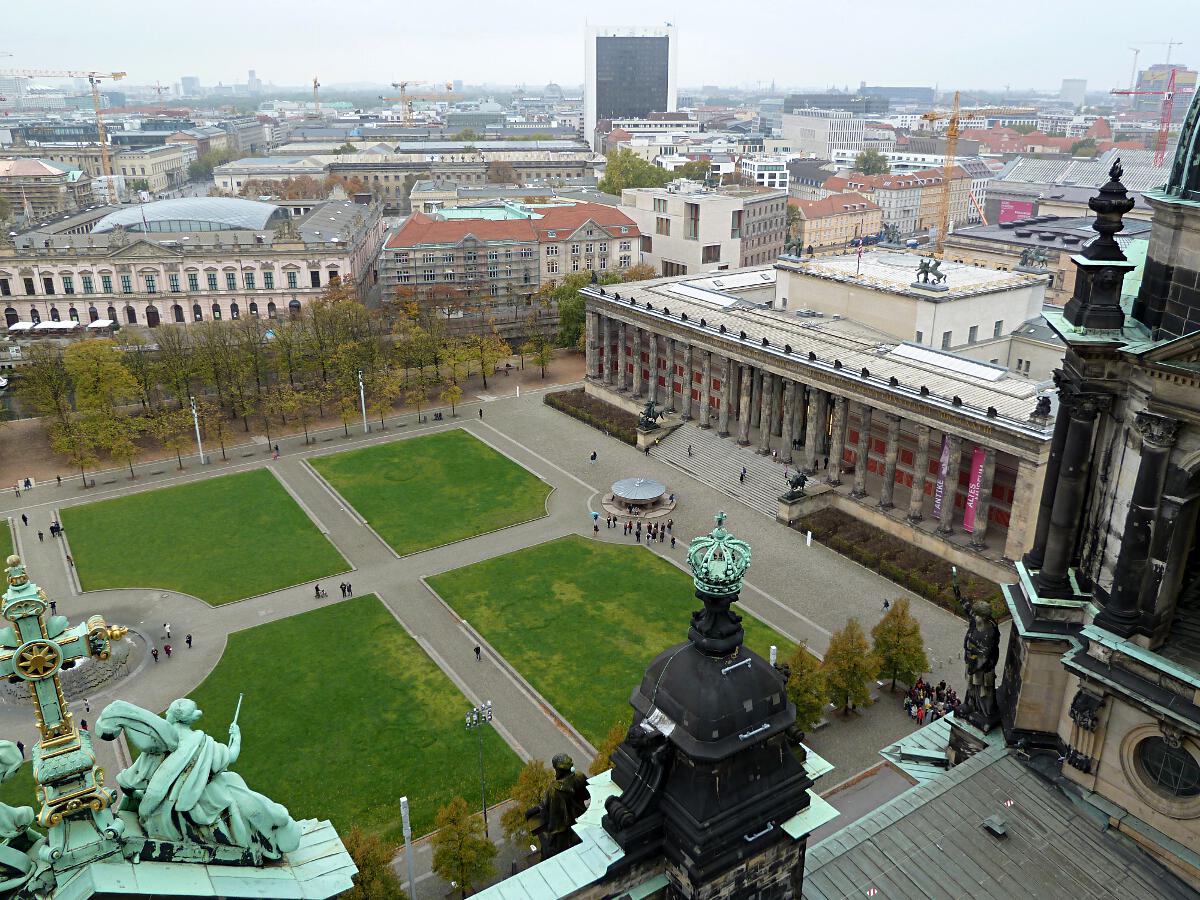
<point x="19" y="843"/>
<point x="181" y="787"/>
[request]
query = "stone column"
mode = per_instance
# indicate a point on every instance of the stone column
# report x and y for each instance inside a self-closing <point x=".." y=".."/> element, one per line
<point x="837" y="443"/>
<point x="1033" y="559"/>
<point x="766" y="413"/>
<point x="592" y="331"/>
<point x="756" y="387"/>
<point x="799" y="415"/>
<point x="950" y="487"/>
<point x="747" y="376"/>
<point x="916" y="502"/>
<point x="891" y="454"/>
<point x="1024" y="506"/>
<point x="1052" y="579"/>
<point x="865" y="413"/>
<point x="610" y="370"/>
<point x="671" y="402"/>
<point x="790" y="389"/>
<point x="1121" y="613"/>
<point x="622" y="343"/>
<point x="687" y="382"/>
<point x="777" y="405"/>
<point x="726" y="398"/>
<point x="637" y="361"/>
<point x="653" y="392"/>
<point x="983" y="502"/>
<point x="812" y="439"/>
<point x="706" y="390"/>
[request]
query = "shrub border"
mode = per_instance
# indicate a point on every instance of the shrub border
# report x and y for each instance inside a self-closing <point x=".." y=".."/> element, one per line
<point x="565" y="402"/>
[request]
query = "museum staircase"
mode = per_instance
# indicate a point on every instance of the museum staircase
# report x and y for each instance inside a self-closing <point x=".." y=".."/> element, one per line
<point x="718" y="461"/>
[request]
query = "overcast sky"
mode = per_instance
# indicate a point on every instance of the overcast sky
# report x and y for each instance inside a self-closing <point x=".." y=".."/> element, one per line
<point x="972" y="44"/>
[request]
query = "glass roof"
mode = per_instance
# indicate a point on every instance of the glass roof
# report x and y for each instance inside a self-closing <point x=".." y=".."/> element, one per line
<point x="192" y="213"/>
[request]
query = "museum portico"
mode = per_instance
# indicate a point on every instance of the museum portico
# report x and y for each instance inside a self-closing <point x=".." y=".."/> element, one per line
<point x="897" y="423"/>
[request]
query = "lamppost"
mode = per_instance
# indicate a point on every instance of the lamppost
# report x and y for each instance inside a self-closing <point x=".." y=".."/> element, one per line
<point x="408" y="851"/>
<point x="362" y="401"/>
<point x="478" y="717"/>
<point x="196" y="422"/>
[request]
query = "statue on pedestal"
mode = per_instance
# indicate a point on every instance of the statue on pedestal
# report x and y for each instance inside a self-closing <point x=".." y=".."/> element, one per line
<point x="564" y="802"/>
<point x="181" y="787"/>
<point x="796" y="481"/>
<point x="650" y="416"/>
<point x="981" y="652"/>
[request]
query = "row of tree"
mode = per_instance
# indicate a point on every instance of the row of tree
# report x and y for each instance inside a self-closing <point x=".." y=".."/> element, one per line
<point x="253" y="375"/>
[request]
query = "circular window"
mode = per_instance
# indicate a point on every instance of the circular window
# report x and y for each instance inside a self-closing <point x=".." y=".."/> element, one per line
<point x="1172" y="771"/>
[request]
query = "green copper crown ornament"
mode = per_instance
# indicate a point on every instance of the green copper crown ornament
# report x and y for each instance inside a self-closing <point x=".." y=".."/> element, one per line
<point x="719" y="561"/>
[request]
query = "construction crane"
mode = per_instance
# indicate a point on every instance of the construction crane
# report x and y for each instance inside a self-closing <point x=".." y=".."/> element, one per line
<point x="952" y="132"/>
<point x="94" y="79"/>
<point x="1166" y="113"/>
<point x="316" y="98"/>
<point x="406" y="99"/>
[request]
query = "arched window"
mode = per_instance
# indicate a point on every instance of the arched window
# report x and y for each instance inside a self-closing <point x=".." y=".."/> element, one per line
<point x="152" y="316"/>
<point x="10" y="316"/>
<point x="34" y="316"/>
<point x="254" y="309"/>
<point x="271" y="309"/>
<point x="93" y="314"/>
<point x="112" y="314"/>
<point x="197" y="312"/>
<point x="130" y="315"/>
<point x="234" y="312"/>
<point x="294" y="308"/>
<point x="216" y="312"/>
<point x="177" y="313"/>
<point x="73" y="314"/>
<point x="54" y="316"/>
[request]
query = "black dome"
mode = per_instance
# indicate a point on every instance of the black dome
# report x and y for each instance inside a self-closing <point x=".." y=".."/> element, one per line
<point x="716" y="704"/>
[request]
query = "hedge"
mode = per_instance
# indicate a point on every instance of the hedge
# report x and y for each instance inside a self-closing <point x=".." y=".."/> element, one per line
<point x="920" y="571"/>
<point x="610" y="419"/>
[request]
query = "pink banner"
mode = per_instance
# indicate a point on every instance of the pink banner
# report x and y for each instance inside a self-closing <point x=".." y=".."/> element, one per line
<point x="940" y="487"/>
<point x="973" y="490"/>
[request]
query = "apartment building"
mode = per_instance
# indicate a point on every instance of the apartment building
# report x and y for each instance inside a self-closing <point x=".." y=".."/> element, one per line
<point x="765" y="171"/>
<point x="836" y="221"/>
<point x="37" y="189"/>
<point x="686" y="228"/>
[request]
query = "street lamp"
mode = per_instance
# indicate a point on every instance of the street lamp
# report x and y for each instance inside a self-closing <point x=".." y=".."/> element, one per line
<point x="478" y="717"/>
<point x="362" y="401"/>
<point x="408" y="850"/>
<point x="196" y="422"/>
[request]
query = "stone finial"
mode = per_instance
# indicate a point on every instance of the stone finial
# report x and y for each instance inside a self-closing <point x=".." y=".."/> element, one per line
<point x="1109" y="205"/>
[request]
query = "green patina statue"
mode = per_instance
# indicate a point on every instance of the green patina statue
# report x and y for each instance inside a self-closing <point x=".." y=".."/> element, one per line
<point x="19" y="843"/>
<point x="181" y="787"/>
<point x="563" y="803"/>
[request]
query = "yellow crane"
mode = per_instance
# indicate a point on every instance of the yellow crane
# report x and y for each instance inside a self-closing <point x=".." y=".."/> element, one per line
<point x="952" y="132"/>
<point x="94" y="79"/>
<point x="406" y="99"/>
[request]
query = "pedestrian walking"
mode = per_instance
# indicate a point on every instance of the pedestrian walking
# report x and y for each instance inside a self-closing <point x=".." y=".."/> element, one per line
<point x="188" y="639"/>
<point x="672" y="542"/>
<point x="887" y="604"/>
<point x="41" y="537"/>
<point x="87" y="707"/>
<point x="167" y="650"/>
<point x="28" y="484"/>
<point x="58" y="478"/>
<point x="70" y="561"/>
<point x="317" y="592"/>
<point x="17" y="490"/>
<point x="670" y="524"/>
<point x="154" y="653"/>
<point x="53" y="607"/>
<point x="21" y="747"/>
<point x="277" y="451"/>
<point x="689" y="450"/>
<point x="343" y="589"/>
<point x="24" y="519"/>
<point x="596" y="529"/>
<point x="167" y="630"/>
<point x="83" y="724"/>
<point x="662" y="535"/>
<point x="478" y="653"/>
<point x="481" y="414"/>
<point x="593" y="457"/>
<point x="349" y="589"/>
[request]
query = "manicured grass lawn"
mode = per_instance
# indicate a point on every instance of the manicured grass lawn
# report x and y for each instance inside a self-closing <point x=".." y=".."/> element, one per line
<point x="344" y="714"/>
<point x="19" y="791"/>
<point x="431" y="490"/>
<point x="6" y="541"/>
<point x="581" y="620"/>
<point x="220" y="539"/>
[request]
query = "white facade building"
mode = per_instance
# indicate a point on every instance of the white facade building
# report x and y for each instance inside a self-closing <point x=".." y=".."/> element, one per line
<point x="766" y="171"/>
<point x="821" y="132"/>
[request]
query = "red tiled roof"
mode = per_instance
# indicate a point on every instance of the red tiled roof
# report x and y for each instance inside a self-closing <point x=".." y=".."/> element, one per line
<point x="425" y="229"/>
<point x="833" y="205"/>
<point x="564" y="219"/>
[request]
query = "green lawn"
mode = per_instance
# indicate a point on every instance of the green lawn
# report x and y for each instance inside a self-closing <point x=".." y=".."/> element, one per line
<point x="581" y="620"/>
<point x="220" y="539"/>
<point x="428" y="491"/>
<point x="344" y="714"/>
<point x="6" y="541"/>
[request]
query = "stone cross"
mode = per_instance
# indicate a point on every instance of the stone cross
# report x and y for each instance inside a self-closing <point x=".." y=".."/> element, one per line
<point x="35" y="648"/>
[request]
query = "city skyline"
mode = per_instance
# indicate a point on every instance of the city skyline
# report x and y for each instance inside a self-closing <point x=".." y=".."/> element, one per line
<point x="1024" y="50"/>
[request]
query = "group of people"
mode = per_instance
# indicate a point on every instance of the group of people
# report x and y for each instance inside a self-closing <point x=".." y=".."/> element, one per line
<point x="655" y="531"/>
<point x="926" y="702"/>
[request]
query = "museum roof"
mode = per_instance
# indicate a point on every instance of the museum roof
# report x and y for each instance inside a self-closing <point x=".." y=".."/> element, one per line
<point x="895" y="272"/>
<point x="222" y="212"/>
<point x="1050" y="231"/>
<point x="1140" y="172"/>
<point x="930" y="843"/>
<point x="839" y="348"/>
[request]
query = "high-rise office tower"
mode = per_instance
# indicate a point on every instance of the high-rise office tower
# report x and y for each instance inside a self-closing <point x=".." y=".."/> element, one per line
<point x="630" y="73"/>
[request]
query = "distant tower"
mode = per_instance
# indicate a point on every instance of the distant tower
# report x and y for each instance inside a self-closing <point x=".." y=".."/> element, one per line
<point x="1073" y="91"/>
<point x="630" y="72"/>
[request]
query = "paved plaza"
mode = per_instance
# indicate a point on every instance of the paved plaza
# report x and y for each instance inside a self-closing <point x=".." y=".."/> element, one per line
<point x="803" y="592"/>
